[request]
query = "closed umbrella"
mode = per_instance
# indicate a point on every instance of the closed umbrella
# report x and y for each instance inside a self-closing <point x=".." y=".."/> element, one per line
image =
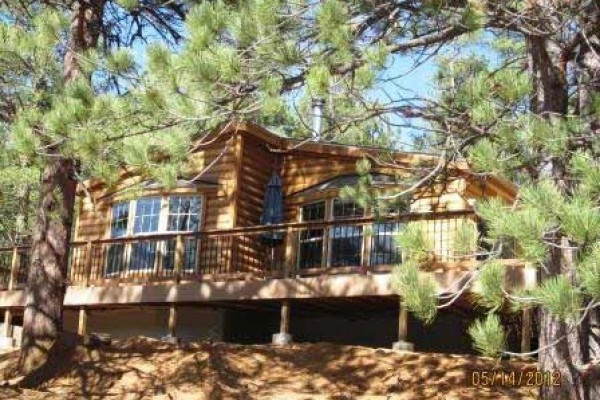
<point x="272" y="211"/>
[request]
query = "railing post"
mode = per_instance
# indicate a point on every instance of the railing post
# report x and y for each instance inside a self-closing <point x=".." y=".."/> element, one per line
<point x="88" y="263"/>
<point x="179" y="257"/>
<point x="289" y="259"/>
<point x="14" y="269"/>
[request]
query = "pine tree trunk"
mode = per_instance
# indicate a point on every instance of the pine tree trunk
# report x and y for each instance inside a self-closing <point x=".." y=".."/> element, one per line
<point x="46" y="280"/>
<point x="550" y="99"/>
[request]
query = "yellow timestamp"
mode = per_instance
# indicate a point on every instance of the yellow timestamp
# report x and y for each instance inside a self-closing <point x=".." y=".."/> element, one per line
<point x="515" y="378"/>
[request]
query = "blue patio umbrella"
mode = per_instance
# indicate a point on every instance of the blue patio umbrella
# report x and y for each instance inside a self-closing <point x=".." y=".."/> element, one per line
<point x="272" y="211"/>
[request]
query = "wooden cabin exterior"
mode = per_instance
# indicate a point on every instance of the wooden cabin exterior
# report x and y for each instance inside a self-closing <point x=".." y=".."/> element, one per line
<point x="202" y="241"/>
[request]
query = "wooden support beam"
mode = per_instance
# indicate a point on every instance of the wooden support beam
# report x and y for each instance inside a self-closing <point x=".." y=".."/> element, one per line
<point x="7" y="331"/>
<point x="172" y="320"/>
<point x="82" y="325"/>
<point x="14" y="269"/>
<point x="526" y="329"/>
<point x="179" y="257"/>
<point x="284" y="324"/>
<point x="88" y="263"/>
<point x="402" y="323"/>
<point x="289" y="259"/>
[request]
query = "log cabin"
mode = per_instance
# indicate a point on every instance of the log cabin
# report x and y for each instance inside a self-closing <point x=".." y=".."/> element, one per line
<point x="202" y="260"/>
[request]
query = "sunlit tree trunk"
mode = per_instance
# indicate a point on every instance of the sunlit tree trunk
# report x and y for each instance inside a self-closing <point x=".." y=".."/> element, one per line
<point x="547" y="65"/>
<point x="46" y="282"/>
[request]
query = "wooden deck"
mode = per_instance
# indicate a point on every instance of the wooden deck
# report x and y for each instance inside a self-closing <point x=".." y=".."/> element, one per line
<point x="238" y="264"/>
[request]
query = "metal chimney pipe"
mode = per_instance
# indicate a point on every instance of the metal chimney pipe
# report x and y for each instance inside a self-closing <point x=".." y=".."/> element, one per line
<point x="317" y="117"/>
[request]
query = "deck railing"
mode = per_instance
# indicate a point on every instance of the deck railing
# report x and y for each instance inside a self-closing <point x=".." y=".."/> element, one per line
<point x="360" y="245"/>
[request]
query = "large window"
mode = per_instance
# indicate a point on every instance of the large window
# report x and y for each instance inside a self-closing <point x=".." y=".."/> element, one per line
<point x="184" y="213"/>
<point x="120" y="219"/>
<point x="153" y="215"/>
<point x="310" y="253"/>
<point x="384" y="250"/>
<point x="346" y="240"/>
<point x="147" y="215"/>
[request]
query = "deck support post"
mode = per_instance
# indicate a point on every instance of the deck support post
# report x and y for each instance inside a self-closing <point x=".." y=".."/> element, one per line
<point x="402" y="344"/>
<point x="283" y="337"/>
<point x="172" y="325"/>
<point x="6" y="340"/>
<point x="526" y="325"/>
<point x="82" y="324"/>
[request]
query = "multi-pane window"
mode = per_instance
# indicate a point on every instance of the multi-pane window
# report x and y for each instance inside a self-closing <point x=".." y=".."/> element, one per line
<point x="346" y="209"/>
<point x="184" y="213"/>
<point x="311" y="240"/>
<point x="346" y="240"/>
<point x="384" y="250"/>
<point x="118" y="227"/>
<point x="120" y="218"/>
<point x="147" y="215"/>
<point x="179" y="214"/>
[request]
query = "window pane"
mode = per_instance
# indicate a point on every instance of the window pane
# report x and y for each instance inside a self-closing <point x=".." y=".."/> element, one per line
<point x="189" y="256"/>
<point x="142" y="256"/>
<point x="311" y="240"/>
<point x="383" y="247"/>
<point x="120" y="216"/>
<point x="115" y="260"/>
<point x="346" y="209"/>
<point x="147" y="213"/>
<point x="184" y="213"/>
<point x="313" y="212"/>
<point x="346" y="246"/>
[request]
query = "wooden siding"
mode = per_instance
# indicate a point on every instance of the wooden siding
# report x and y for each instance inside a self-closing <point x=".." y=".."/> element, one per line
<point x="245" y="158"/>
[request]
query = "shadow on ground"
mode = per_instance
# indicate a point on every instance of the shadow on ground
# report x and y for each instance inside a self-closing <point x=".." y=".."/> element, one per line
<point x="141" y="368"/>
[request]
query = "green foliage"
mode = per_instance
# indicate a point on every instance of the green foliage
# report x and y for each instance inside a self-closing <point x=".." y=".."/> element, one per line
<point x="580" y="219"/>
<point x="527" y="225"/>
<point x="121" y="61"/>
<point x="414" y="242"/>
<point x="465" y="238"/>
<point x="418" y="291"/>
<point x="560" y="297"/>
<point x="491" y="281"/>
<point x="488" y="336"/>
<point x="589" y="272"/>
<point x="319" y="80"/>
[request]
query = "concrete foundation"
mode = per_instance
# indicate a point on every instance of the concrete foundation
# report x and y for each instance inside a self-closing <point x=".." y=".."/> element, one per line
<point x="282" y="339"/>
<point x="403" y="346"/>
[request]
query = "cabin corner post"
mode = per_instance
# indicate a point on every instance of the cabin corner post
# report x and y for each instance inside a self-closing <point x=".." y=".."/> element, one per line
<point x="283" y="337"/>
<point x="402" y="344"/>
<point x="178" y="258"/>
<point x="89" y="249"/>
<point x="289" y="259"/>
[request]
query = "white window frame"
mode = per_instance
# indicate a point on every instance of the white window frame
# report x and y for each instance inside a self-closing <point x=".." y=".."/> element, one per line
<point x="162" y="229"/>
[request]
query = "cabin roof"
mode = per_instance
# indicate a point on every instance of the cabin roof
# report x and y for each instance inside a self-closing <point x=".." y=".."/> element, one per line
<point x="378" y="180"/>
<point x="279" y="144"/>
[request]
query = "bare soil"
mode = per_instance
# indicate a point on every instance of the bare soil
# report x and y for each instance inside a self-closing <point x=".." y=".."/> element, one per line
<point x="142" y="368"/>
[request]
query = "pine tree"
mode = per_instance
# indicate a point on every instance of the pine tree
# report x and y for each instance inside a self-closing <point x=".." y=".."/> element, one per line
<point x="56" y="58"/>
<point x="532" y="119"/>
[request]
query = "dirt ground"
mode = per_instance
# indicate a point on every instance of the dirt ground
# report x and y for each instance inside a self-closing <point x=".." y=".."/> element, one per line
<point x="142" y="368"/>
